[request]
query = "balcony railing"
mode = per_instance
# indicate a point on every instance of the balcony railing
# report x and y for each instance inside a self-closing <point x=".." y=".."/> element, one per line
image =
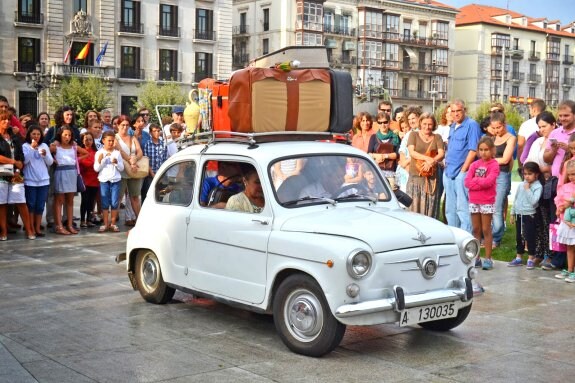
<point x="342" y="60"/>
<point x="128" y="27"/>
<point x="200" y="76"/>
<point x="534" y="56"/>
<point x="168" y="76"/>
<point x="306" y="25"/>
<point x="368" y="62"/>
<point x="28" y="18"/>
<point x="24" y="67"/>
<point x="241" y="29"/>
<point x="567" y="59"/>
<point x="391" y="64"/>
<point x="169" y="31"/>
<point x="241" y="59"/>
<point x="533" y="77"/>
<point x="133" y="73"/>
<point x="65" y="70"/>
<point x="202" y="34"/>
<point x="495" y="73"/>
<point x="391" y="36"/>
<point x="517" y="54"/>
<point x="553" y="56"/>
<point x="338" y="30"/>
<point x="428" y="68"/>
<point x="517" y="77"/>
<point x="568" y="82"/>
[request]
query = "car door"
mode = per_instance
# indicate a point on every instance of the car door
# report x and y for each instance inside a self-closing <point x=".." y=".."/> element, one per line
<point x="173" y="196"/>
<point x="228" y="250"/>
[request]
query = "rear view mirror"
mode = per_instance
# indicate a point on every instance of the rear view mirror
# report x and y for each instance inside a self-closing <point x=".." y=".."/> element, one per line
<point x="403" y="197"/>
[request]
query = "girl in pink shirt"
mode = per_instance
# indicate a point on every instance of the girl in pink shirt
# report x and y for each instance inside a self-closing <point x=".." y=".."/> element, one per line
<point x="481" y="180"/>
<point x="565" y="202"/>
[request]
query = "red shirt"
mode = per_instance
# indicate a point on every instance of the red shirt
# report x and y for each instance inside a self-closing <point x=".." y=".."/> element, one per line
<point x="89" y="175"/>
<point x="15" y="122"/>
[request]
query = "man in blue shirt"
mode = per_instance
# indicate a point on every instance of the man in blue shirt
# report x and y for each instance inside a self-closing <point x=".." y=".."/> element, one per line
<point x="229" y="174"/>
<point x="464" y="135"/>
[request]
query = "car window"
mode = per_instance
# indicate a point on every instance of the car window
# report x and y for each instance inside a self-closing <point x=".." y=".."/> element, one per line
<point x="176" y="185"/>
<point x="306" y="180"/>
<point x="220" y="182"/>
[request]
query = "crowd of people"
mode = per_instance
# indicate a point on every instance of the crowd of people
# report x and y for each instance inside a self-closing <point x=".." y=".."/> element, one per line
<point x="459" y="170"/>
<point x="110" y="161"/>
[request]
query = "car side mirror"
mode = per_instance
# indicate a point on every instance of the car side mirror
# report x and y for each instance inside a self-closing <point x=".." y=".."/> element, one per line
<point x="403" y="197"/>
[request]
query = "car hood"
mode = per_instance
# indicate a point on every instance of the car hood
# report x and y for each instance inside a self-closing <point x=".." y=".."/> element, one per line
<point x="382" y="228"/>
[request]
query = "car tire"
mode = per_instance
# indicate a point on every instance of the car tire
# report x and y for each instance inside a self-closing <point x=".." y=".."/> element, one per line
<point x="303" y="319"/>
<point x="448" y="324"/>
<point x="149" y="279"/>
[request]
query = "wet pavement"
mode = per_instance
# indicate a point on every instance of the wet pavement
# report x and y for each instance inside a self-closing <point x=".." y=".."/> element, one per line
<point x="69" y="314"/>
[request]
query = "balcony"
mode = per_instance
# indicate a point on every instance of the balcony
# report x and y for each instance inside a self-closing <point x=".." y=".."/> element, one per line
<point x="498" y="50"/>
<point x="129" y="27"/>
<point x="390" y="64"/>
<point x="517" y="54"/>
<point x="517" y="77"/>
<point x="534" y="78"/>
<point x="534" y="56"/>
<point x="240" y="60"/>
<point x="28" y="18"/>
<point x="568" y="82"/>
<point x="367" y="62"/>
<point x="495" y="73"/>
<point x="24" y="67"/>
<point x="201" y="75"/>
<point x="391" y="36"/>
<point x="65" y="70"/>
<point x="567" y="59"/>
<point x="241" y="29"/>
<point x="336" y="61"/>
<point x="553" y="56"/>
<point x="202" y="34"/>
<point x="131" y="73"/>
<point x="168" y="76"/>
<point x="169" y="31"/>
<point x="338" y="30"/>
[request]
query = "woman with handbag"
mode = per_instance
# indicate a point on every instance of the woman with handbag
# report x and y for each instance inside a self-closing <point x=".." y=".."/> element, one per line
<point x="131" y="151"/>
<point x="426" y="151"/>
<point x="11" y="181"/>
<point x="362" y="131"/>
<point x="383" y="145"/>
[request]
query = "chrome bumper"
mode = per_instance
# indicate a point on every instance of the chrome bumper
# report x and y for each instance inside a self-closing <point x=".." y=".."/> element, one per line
<point x="462" y="292"/>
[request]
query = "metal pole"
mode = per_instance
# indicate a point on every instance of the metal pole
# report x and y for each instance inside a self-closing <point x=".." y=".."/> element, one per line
<point x="502" y="70"/>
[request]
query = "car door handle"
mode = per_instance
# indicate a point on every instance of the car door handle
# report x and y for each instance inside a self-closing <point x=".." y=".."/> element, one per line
<point x="261" y="221"/>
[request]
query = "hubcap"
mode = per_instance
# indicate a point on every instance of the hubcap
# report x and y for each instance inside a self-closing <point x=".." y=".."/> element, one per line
<point x="304" y="315"/>
<point x="150" y="273"/>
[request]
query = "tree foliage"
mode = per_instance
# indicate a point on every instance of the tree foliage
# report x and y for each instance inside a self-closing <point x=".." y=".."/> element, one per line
<point x="82" y="94"/>
<point x="152" y="94"/>
<point x="512" y="115"/>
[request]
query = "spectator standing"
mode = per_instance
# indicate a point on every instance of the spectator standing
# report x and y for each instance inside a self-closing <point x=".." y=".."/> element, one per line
<point x="64" y="116"/>
<point x="383" y="146"/>
<point x="566" y="232"/>
<point x="37" y="160"/>
<point x="464" y="136"/>
<point x="385" y="107"/>
<point x="145" y="113"/>
<point x="157" y="153"/>
<point x="177" y="117"/>
<point x="546" y="123"/>
<point x="90" y="178"/>
<point x="558" y="138"/>
<point x="412" y="115"/>
<point x="481" y="180"/>
<point x="362" y="131"/>
<point x="109" y="165"/>
<point x="44" y="122"/>
<point x="107" y="120"/>
<point x="14" y="122"/>
<point x="445" y="124"/>
<point x="394" y="125"/>
<point x="529" y="127"/>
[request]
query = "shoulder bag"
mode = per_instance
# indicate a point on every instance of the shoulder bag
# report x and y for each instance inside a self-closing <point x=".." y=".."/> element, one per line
<point x="143" y="166"/>
<point x="385" y="148"/>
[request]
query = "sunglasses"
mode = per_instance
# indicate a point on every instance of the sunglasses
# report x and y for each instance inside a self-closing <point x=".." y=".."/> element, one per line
<point x="383" y="122"/>
<point x="386" y="110"/>
<point x="145" y="114"/>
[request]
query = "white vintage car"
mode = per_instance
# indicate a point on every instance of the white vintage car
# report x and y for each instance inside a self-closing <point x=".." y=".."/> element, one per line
<point x="330" y="247"/>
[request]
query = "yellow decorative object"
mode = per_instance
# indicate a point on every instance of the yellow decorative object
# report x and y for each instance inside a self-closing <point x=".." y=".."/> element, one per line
<point x="192" y="112"/>
<point x="286" y="66"/>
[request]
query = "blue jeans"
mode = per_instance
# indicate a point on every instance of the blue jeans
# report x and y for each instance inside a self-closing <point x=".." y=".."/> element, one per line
<point x="36" y="197"/>
<point x="503" y="187"/>
<point x="110" y="194"/>
<point x="457" y="202"/>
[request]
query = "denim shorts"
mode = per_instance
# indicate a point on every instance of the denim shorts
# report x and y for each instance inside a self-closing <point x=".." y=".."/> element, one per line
<point x="110" y="194"/>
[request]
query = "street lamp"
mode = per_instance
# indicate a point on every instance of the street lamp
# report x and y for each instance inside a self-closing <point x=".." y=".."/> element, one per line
<point x="38" y="80"/>
<point x="433" y="93"/>
<point x="369" y="86"/>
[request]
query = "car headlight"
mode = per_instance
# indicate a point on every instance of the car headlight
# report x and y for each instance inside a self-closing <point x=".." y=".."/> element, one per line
<point x="469" y="250"/>
<point x="359" y="263"/>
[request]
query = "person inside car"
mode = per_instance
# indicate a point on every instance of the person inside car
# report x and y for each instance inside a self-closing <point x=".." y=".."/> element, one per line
<point x="329" y="173"/>
<point x="251" y="200"/>
<point x="216" y="190"/>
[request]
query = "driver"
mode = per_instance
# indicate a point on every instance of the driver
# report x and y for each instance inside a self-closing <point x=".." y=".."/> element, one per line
<point x="329" y="173"/>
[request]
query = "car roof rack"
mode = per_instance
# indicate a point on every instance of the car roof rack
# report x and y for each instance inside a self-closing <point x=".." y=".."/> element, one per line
<point x="252" y="139"/>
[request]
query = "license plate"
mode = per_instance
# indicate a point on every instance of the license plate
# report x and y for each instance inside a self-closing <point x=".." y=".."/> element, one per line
<point x="421" y="314"/>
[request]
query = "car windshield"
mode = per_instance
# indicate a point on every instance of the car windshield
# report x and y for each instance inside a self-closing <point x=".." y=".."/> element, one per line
<point x="305" y="180"/>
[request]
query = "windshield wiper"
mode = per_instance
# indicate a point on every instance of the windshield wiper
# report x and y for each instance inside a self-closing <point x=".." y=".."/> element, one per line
<point x="357" y="196"/>
<point x="309" y="198"/>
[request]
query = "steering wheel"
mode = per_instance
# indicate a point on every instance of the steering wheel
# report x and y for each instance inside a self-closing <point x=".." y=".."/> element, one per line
<point x="359" y="187"/>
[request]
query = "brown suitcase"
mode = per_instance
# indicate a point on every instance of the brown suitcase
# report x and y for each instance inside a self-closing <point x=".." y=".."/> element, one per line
<point x="271" y="100"/>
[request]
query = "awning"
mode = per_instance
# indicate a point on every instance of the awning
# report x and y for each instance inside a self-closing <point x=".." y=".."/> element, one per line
<point x="410" y="53"/>
<point x="330" y="43"/>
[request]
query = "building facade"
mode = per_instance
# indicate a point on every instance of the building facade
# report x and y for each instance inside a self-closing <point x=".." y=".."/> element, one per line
<point x="501" y="55"/>
<point x="396" y="48"/>
<point x="180" y="41"/>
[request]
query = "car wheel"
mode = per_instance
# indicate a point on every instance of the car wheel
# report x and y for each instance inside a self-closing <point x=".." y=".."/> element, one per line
<point x="448" y="324"/>
<point x="303" y="319"/>
<point x="149" y="279"/>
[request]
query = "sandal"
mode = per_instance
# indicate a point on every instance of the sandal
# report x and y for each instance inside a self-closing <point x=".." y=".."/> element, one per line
<point x="102" y="229"/>
<point x="114" y="228"/>
<point x="83" y="225"/>
<point x="60" y="230"/>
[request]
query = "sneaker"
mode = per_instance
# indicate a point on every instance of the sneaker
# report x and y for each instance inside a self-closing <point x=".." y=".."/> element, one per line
<point x="478" y="262"/>
<point x="563" y="275"/>
<point x="530" y="265"/>
<point x="570" y="278"/>
<point x="546" y="264"/>
<point x="516" y="262"/>
<point x="487" y="264"/>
